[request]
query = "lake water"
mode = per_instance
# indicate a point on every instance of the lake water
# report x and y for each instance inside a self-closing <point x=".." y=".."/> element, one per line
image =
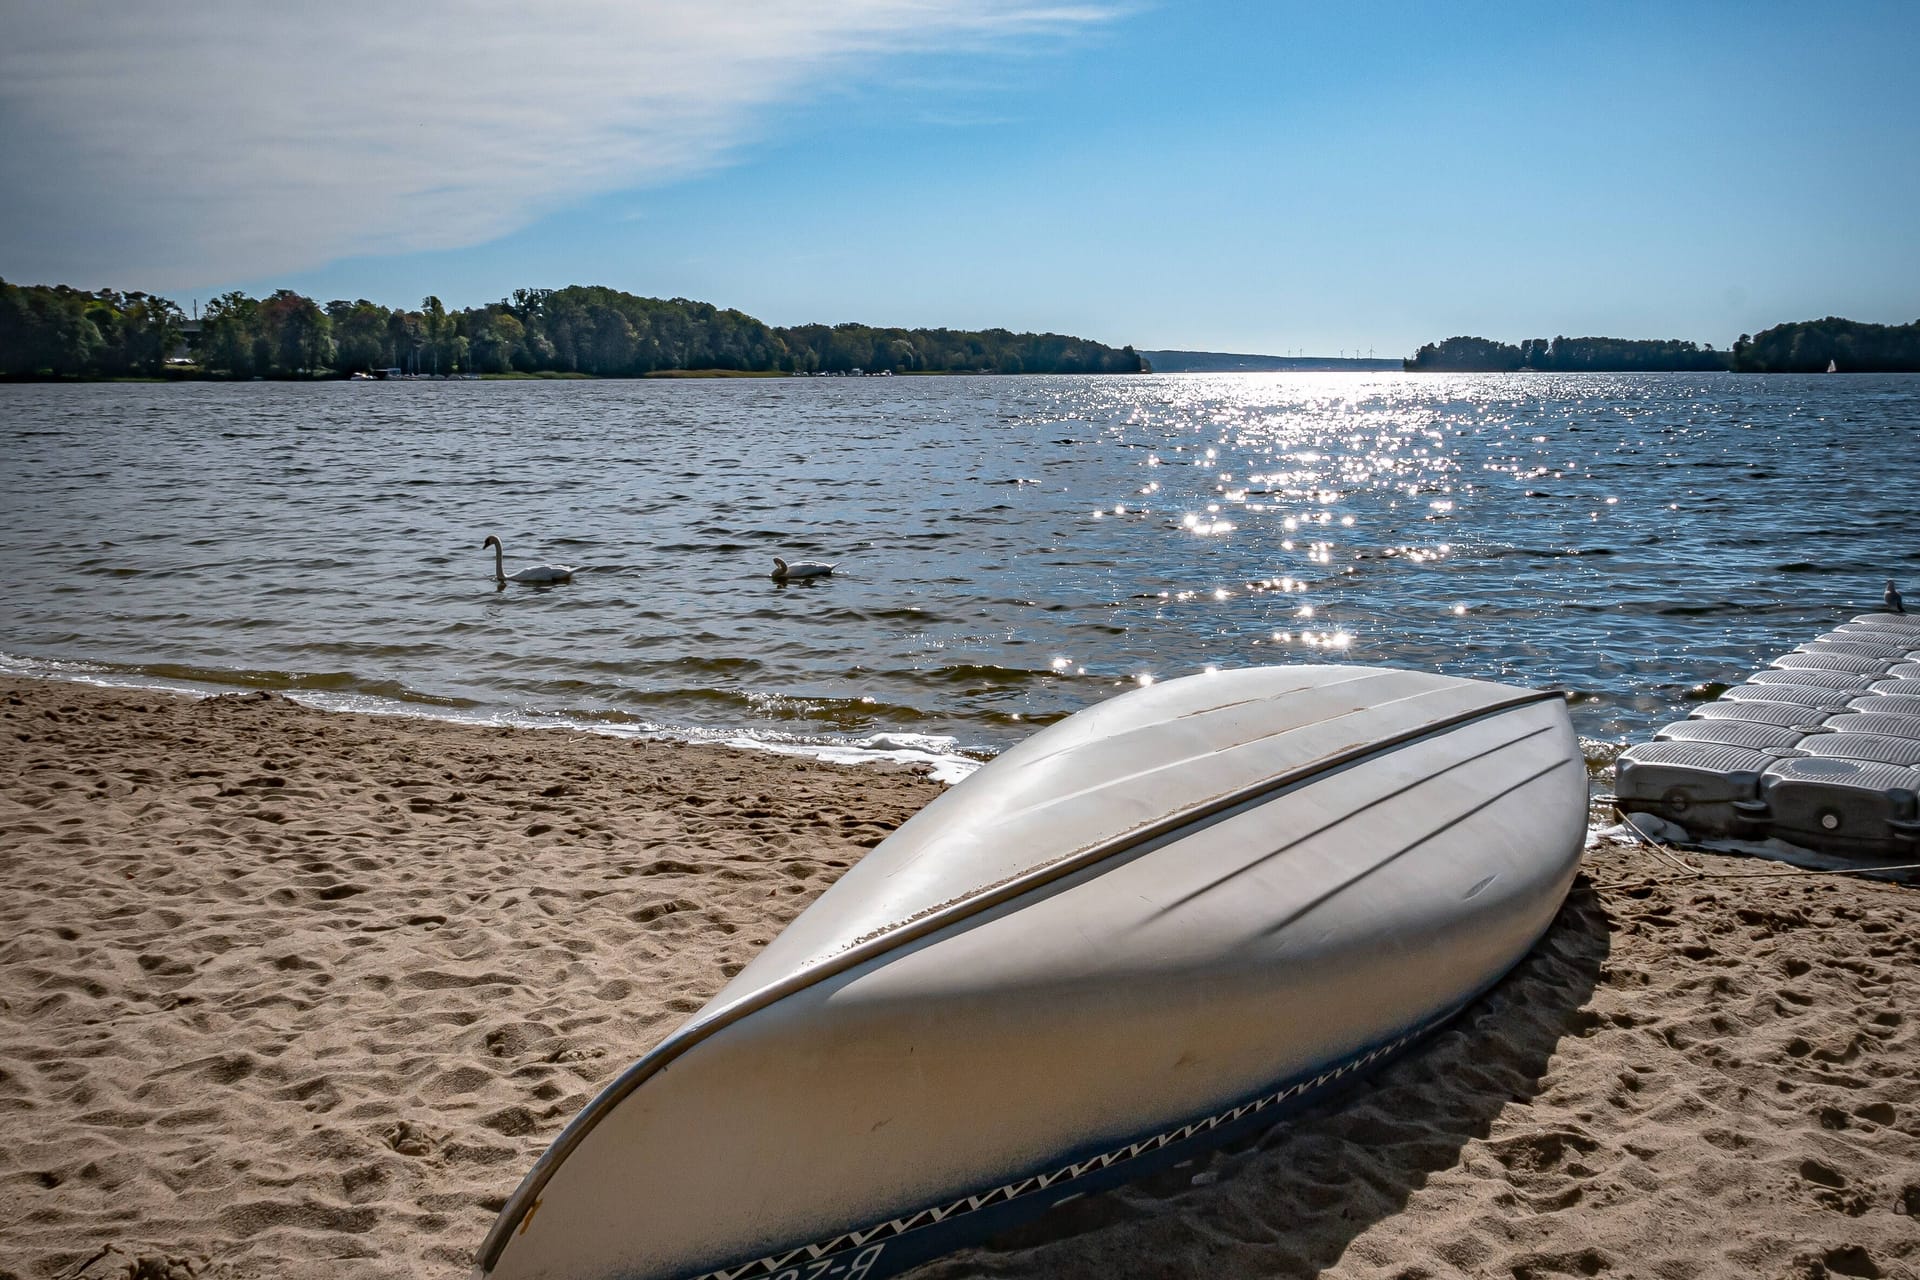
<point x="1010" y="549"/>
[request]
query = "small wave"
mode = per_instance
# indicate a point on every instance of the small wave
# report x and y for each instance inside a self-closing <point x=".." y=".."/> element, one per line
<point x="976" y="673"/>
<point x="838" y="712"/>
<point x="1700" y="610"/>
<point x="1541" y="553"/>
<point x="1600" y="754"/>
<point x="940" y="755"/>
<point x="920" y="616"/>
<point x="197" y="679"/>
<point x="627" y="667"/>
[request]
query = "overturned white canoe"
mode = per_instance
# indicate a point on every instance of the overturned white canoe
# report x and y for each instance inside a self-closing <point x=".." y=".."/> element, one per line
<point x="1169" y="918"/>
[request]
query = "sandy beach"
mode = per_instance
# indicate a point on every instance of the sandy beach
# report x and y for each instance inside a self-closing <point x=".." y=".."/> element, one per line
<point x="286" y="993"/>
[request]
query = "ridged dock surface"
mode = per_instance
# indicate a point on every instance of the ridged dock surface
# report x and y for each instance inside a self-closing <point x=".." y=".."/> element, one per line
<point x="1821" y="749"/>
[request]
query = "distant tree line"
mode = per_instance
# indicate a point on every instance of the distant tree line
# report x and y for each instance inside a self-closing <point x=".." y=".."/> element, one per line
<point x="1806" y="347"/>
<point x="1566" y="355"/>
<point x="61" y="332"/>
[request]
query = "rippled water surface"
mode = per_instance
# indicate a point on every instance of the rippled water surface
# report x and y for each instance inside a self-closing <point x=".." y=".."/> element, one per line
<point x="1010" y="549"/>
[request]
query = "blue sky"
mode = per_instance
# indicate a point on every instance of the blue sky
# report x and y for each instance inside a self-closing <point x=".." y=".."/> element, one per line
<point x="1247" y="177"/>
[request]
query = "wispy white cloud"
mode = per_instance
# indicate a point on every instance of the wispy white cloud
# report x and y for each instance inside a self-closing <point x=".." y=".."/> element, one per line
<point x="164" y="145"/>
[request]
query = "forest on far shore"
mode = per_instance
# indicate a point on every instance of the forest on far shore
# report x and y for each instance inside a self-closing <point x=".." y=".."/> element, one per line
<point x="54" y="331"/>
<point x="1807" y="346"/>
<point x="60" y="332"/>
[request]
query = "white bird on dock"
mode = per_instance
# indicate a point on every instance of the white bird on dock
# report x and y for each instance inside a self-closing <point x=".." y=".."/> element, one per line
<point x="1894" y="604"/>
<point x="784" y="572"/>
<point x="533" y="573"/>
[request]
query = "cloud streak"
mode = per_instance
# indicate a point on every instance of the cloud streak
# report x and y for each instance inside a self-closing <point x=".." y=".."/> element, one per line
<point x="163" y="146"/>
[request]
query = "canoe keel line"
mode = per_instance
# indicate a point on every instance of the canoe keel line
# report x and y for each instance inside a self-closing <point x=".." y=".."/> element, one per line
<point x="1180" y="915"/>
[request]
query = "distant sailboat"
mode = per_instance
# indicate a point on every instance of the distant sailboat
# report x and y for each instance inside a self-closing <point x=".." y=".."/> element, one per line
<point x="1832" y="367"/>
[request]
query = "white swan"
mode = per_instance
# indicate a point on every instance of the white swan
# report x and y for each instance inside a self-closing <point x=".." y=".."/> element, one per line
<point x="532" y="573"/>
<point x="784" y="572"/>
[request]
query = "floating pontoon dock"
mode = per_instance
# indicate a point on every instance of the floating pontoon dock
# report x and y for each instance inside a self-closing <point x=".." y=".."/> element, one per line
<point x="1821" y="750"/>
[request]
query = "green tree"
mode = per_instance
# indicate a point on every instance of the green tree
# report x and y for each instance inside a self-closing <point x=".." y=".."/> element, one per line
<point x="497" y="339"/>
<point x="437" y="329"/>
<point x="297" y="333"/>
<point x="228" y="332"/>
<point x="151" y="330"/>
<point x="362" y="339"/>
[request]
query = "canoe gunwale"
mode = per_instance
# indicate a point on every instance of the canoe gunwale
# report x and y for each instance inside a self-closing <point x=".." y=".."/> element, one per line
<point x="515" y="1212"/>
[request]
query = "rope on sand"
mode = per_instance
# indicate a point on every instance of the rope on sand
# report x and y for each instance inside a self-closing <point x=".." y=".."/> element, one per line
<point x="1670" y="855"/>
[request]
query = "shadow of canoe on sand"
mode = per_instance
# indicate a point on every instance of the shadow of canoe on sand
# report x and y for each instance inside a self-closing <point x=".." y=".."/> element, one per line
<point x="1290" y="1202"/>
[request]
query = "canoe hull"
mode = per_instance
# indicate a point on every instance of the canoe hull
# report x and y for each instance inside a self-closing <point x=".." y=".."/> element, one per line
<point x="886" y="1248"/>
<point x="1351" y="855"/>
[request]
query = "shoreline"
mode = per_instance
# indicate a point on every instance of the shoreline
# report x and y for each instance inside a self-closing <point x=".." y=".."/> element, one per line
<point x="939" y="755"/>
<point x="283" y="987"/>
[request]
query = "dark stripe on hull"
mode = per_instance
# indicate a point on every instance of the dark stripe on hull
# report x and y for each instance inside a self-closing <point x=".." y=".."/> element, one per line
<point x="889" y="1247"/>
